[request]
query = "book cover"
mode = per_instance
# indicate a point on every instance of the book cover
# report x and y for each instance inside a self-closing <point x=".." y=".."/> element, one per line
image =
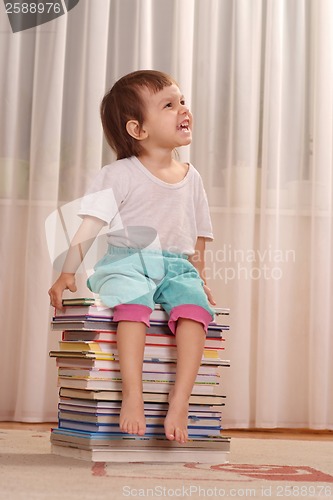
<point x="165" y="376"/>
<point x="116" y="385"/>
<point x="152" y="428"/>
<point x="95" y="308"/>
<point x="104" y="395"/>
<point x="99" y="406"/>
<point x="110" y="347"/>
<point x="93" y="363"/>
<point x="151" y="338"/>
<point x="119" y="454"/>
<point x="90" y="439"/>
<point x="111" y="415"/>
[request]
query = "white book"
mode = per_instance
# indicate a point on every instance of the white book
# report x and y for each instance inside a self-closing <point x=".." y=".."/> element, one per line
<point x="163" y="455"/>
<point x="94" y="308"/>
<point x="102" y="407"/>
<point x="146" y="376"/>
<point x="116" y="385"/>
<point x="93" y="364"/>
<point x="163" y="352"/>
<point x="148" y="397"/>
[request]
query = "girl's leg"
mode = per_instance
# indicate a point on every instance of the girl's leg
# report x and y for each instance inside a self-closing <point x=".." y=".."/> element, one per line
<point x="190" y="339"/>
<point x="131" y="343"/>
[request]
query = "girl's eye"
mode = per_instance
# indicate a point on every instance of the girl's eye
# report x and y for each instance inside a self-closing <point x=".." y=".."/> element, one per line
<point x="182" y="102"/>
<point x="169" y="105"/>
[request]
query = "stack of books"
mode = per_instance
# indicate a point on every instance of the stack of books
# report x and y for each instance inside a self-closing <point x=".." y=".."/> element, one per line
<point x="90" y="390"/>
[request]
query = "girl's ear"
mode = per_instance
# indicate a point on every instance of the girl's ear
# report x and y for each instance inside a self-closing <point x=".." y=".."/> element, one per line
<point x="135" y="130"/>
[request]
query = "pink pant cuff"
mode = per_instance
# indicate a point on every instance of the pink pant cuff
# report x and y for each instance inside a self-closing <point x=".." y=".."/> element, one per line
<point x="189" y="311"/>
<point x="132" y="312"/>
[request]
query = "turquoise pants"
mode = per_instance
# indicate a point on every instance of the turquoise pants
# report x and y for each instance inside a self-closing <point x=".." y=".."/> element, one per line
<point x="142" y="278"/>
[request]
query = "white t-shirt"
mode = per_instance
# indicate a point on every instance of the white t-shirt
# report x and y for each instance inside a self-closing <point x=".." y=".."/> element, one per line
<point x="145" y="212"/>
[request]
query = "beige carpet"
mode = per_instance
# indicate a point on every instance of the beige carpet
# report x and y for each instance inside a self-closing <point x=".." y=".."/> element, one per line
<point x="258" y="468"/>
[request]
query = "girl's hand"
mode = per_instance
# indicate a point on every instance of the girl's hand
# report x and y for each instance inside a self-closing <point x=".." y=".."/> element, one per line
<point x="209" y="294"/>
<point x="66" y="281"/>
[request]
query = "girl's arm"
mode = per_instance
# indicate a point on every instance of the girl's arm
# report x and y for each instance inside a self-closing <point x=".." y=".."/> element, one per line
<point x="82" y="241"/>
<point x="198" y="261"/>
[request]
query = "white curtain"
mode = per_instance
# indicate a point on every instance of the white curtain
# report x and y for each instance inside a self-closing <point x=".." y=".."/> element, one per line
<point x="258" y="75"/>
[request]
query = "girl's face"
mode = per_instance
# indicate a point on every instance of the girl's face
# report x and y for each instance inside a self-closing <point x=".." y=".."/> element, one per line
<point x="168" y="121"/>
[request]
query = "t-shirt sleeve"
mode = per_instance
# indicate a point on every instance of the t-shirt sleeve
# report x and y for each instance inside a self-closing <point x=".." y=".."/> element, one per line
<point x="203" y="219"/>
<point x="103" y="198"/>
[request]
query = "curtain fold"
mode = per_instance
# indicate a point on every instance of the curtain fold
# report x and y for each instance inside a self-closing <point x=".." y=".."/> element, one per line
<point x="258" y="76"/>
<point x="321" y="202"/>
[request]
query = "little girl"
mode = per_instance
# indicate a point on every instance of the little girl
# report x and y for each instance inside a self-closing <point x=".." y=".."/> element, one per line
<point x="158" y="216"/>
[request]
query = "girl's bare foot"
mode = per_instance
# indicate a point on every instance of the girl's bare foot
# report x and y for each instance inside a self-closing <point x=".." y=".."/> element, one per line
<point x="175" y="424"/>
<point x="132" y="417"/>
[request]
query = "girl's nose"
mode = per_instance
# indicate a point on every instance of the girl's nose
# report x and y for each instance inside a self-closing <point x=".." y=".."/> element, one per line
<point x="184" y="108"/>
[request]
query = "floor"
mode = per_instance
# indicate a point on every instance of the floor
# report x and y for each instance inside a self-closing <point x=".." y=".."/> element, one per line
<point x="261" y="464"/>
<point x="300" y="434"/>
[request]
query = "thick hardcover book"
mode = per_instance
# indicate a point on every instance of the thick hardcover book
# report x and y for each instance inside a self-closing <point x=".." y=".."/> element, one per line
<point x="90" y="365"/>
<point x="208" y="400"/>
<point x="153" y="339"/>
<point x="104" y="448"/>
<point x="116" y="385"/>
<point x="165" y="376"/>
<point x="95" y="406"/>
<point x="127" y="440"/>
<point x="198" y="418"/>
<point x="162" y="352"/>
<point x="128" y="455"/>
<point x="151" y="428"/>
<point x="95" y="308"/>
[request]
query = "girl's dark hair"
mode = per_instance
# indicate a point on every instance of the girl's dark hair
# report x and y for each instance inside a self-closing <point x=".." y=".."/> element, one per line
<point x="124" y="102"/>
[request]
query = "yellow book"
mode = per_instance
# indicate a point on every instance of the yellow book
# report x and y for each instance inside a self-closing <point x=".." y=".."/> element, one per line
<point x="86" y="345"/>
